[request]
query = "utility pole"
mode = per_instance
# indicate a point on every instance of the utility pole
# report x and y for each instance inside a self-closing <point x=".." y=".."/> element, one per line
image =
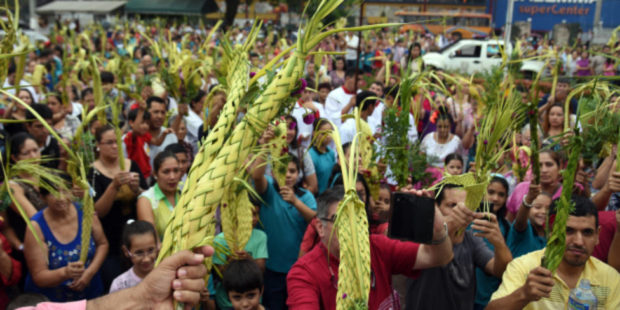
<point x="597" y="15"/>
<point x="508" y="25"/>
<point x="32" y="10"/>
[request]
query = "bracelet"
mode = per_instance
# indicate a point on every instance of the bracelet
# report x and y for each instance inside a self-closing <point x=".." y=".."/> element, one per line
<point x="527" y="205"/>
<point x="445" y="236"/>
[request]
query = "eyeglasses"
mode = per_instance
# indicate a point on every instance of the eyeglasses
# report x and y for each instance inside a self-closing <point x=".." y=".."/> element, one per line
<point x="109" y="142"/>
<point x="142" y="253"/>
<point x="332" y="219"/>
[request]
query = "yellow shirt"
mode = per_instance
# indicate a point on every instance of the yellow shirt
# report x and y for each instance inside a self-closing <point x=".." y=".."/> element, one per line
<point x="604" y="279"/>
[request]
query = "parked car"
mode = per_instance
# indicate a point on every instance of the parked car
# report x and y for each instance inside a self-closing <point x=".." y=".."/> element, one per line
<point x="474" y="56"/>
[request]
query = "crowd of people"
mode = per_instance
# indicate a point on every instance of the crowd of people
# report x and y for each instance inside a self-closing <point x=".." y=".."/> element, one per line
<point x="291" y="259"/>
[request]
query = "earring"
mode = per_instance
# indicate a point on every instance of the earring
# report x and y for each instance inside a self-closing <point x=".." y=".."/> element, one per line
<point x="98" y="149"/>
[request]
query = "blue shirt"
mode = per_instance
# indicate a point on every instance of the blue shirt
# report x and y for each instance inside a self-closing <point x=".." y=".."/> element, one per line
<point x="521" y="243"/>
<point x="284" y="226"/>
<point x="323" y="165"/>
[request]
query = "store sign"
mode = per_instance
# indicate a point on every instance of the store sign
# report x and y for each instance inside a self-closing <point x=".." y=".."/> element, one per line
<point x="555" y="7"/>
<point x="544" y="14"/>
<point x="446" y="2"/>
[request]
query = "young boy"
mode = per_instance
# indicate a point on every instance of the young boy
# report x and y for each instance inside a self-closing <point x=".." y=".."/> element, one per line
<point x="255" y="249"/>
<point x="141" y="247"/>
<point x="137" y="139"/>
<point x="243" y="282"/>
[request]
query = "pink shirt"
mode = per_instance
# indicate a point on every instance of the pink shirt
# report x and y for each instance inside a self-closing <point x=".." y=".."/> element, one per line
<point x="515" y="200"/>
<point x="76" y="305"/>
<point x="126" y="280"/>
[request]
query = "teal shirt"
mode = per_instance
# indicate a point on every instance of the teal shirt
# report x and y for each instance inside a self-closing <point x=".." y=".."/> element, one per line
<point x="284" y="226"/>
<point x="323" y="165"/>
<point x="256" y="247"/>
<point x="521" y="243"/>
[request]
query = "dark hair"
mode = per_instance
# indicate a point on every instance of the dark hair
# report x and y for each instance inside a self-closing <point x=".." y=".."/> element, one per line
<point x="86" y="92"/>
<point x="137" y="228"/>
<point x="29" y="94"/>
<point x="133" y="115"/>
<point x="152" y="99"/>
<point x="315" y="126"/>
<point x="201" y="93"/>
<point x="441" y="194"/>
<point x="453" y="156"/>
<point x="554" y="155"/>
<point x="344" y="67"/>
<point x="583" y="207"/>
<point x="378" y="83"/>
<point x="501" y="213"/>
<point x="175" y="148"/>
<point x="42" y="109"/>
<point x="106" y="77"/>
<point x="160" y="158"/>
<point x="445" y="115"/>
<point x="546" y="124"/>
<point x="391" y="91"/>
<point x="242" y="276"/>
<point x="16" y="142"/>
<point x="325" y="85"/>
<point x="350" y="73"/>
<point x="65" y="177"/>
<point x="329" y="197"/>
<point x="364" y="101"/>
<point x="26" y="300"/>
<point x="289" y="117"/>
<point x="101" y="130"/>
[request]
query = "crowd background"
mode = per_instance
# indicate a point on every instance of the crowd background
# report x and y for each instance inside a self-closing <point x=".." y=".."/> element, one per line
<point x="161" y="134"/>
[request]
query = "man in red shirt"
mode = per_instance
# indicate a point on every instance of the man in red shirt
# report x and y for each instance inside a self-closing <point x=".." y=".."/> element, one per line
<point x="312" y="281"/>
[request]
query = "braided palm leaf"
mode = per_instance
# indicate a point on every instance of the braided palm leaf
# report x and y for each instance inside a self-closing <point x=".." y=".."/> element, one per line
<point x="217" y="176"/>
<point x="192" y="224"/>
<point x="556" y="244"/>
<point x="236" y="213"/>
<point x="352" y="224"/>
<point x="237" y="81"/>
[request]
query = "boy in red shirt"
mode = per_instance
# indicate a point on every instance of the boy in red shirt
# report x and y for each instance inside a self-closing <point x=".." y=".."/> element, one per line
<point x="137" y="139"/>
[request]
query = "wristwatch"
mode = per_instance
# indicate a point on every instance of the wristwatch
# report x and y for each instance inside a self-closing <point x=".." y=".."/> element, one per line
<point x="527" y="205"/>
<point x="445" y="236"/>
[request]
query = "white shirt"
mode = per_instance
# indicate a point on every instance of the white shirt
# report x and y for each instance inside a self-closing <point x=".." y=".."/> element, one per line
<point x="375" y="120"/>
<point x="77" y="109"/>
<point x="348" y="130"/>
<point x="193" y="123"/>
<point x="171" y="138"/>
<point x="335" y="102"/>
<point x="437" y="152"/>
<point x="304" y="129"/>
<point x="352" y="43"/>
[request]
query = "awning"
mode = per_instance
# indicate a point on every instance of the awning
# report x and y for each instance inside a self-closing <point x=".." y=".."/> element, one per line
<point x="95" y="7"/>
<point x="171" y="7"/>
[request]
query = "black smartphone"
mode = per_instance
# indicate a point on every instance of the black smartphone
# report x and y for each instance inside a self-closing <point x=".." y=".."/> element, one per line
<point x="411" y="218"/>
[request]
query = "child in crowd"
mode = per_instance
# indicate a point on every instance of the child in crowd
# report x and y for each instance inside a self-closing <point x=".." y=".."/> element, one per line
<point x="255" y="249"/>
<point x="243" y="282"/>
<point x="381" y="209"/>
<point x="136" y="139"/>
<point x="527" y="234"/>
<point x="453" y="164"/>
<point x="141" y="247"/>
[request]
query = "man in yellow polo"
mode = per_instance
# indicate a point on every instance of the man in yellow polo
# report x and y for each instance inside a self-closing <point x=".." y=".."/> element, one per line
<point x="527" y="285"/>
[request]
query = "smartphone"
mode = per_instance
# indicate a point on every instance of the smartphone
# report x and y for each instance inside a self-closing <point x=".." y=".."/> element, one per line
<point x="411" y="218"/>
